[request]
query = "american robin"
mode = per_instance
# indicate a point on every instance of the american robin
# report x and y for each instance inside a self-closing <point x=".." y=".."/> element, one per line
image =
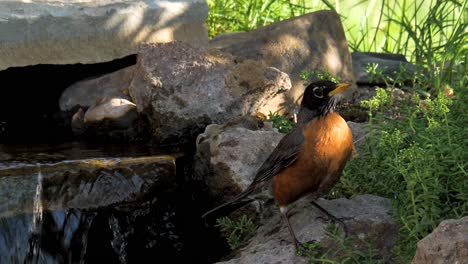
<point x="307" y="160"/>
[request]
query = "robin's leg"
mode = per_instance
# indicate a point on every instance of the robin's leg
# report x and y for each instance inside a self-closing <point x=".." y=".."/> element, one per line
<point x="330" y="216"/>
<point x="284" y="213"/>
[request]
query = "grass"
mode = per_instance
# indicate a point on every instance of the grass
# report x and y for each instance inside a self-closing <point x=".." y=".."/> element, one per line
<point x="418" y="157"/>
<point x="418" y="160"/>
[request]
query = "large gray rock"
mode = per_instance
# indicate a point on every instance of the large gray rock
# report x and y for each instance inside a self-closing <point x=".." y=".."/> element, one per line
<point x="228" y="156"/>
<point x="182" y="89"/>
<point x="77" y="31"/>
<point x="448" y="243"/>
<point x="314" y="41"/>
<point x="366" y="216"/>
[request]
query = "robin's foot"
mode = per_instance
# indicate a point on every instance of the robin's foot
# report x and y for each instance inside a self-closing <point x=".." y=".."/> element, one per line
<point x="297" y="244"/>
<point x="329" y="217"/>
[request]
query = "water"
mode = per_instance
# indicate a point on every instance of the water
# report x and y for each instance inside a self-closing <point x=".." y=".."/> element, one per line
<point x="37" y="216"/>
<point x="70" y="205"/>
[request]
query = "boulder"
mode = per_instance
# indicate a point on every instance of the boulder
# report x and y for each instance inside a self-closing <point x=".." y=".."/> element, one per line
<point x="448" y="243"/>
<point x="77" y="31"/>
<point x="394" y="66"/>
<point x="87" y="92"/>
<point x="229" y="155"/>
<point x="181" y="89"/>
<point x="314" y="41"/>
<point x="366" y="217"/>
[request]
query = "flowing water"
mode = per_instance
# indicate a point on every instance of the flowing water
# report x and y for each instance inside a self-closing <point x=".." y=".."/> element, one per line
<point x="72" y="203"/>
<point x="37" y="216"/>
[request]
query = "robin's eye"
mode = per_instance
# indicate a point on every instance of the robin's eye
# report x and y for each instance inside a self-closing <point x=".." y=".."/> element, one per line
<point x="318" y="92"/>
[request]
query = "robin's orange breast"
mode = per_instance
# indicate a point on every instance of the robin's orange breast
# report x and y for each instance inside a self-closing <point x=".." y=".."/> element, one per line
<point x="328" y="144"/>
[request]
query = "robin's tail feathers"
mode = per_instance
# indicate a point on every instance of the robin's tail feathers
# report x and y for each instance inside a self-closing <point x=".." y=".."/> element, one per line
<point x="232" y="205"/>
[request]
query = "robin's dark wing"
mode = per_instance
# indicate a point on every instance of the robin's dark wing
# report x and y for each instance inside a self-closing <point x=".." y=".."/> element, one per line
<point x="285" y="153"/>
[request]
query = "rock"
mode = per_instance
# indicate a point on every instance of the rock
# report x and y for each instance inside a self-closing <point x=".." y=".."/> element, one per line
<point x="360" y="132"/>
<point x="228" y="156"/>
<point x="116" y="112"/>
<point x="88" y="92"/>
<point x="448" y="243"/>
<point x="366" y="216"/>
<point x="76" y="31"/>
<point x="314" y="41"/>
<point x="391" y="65"/>
<point x="182" y="89"/>
<point x="83" y="184"/>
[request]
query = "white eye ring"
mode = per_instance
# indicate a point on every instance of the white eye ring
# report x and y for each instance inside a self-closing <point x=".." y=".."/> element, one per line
<point x="319" y="93"/>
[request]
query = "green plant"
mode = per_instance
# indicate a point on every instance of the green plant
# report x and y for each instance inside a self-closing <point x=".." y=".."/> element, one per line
<point x="238" y="231"/>
<point x="418" y="161"/>
<point x="282" y="123"/>
<point x="340" y="251"/>
<point x="245" y="15"/>
<point x="319" y="75"/>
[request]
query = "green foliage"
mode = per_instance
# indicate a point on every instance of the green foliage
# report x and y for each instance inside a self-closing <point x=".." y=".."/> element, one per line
<point x="238" y="231"/>
<point x="245" y="15"/>
<point x="339" y="250"/>
<point x="318" y="75"/>
<point x="418" y="161"/>
<point x="282" y="123"/>
<point x="431" y="33"/>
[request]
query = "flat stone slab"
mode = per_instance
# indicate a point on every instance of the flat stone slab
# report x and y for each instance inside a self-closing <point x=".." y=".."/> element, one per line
<point x="85" y="31"/>
<point x="83" y="184"/>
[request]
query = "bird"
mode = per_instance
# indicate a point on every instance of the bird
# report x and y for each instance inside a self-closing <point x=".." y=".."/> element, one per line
<point x="308" y="160"/>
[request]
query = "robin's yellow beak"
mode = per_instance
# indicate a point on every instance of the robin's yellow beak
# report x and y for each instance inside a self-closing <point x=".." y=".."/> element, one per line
<point x="339" y="88"/>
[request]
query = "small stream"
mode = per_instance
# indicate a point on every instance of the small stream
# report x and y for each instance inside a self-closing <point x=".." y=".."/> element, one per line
<point x="84" y="203"/>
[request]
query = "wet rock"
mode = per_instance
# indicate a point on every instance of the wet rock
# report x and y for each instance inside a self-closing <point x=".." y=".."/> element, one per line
<point x="76" y="31"/>
<point x="314" y="41"/>
<point x="182" y="89"/>
<point x="21" y="237"/>
<point x="448" y="243"/>
<point x="366" y="216"/>
<point x="228" y="155"/>
<point x="394" y="66"/>
<point x="83" y="184"/>
<point x="88" y="92"/>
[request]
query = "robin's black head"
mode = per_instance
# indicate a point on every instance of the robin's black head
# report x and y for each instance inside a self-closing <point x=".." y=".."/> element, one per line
<point x="322" y="96"/>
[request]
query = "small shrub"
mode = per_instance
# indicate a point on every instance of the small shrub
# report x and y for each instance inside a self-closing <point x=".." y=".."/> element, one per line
<point x="237" y="232"/>
<point x="282" y="123"/>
